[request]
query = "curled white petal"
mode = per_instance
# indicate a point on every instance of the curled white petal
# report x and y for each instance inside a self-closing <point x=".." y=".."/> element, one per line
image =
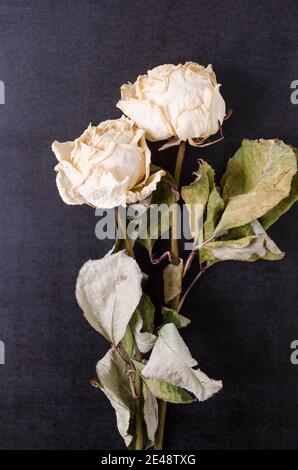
<point x="142" y="193"/>
<point x="148" y="117"/>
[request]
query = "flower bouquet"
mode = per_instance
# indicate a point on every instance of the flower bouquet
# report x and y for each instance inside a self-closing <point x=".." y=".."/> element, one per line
<point x="110" y="166"/>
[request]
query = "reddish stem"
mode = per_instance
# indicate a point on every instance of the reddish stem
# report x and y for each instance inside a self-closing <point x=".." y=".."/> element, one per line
<point x="165" y="255"/>
<point x="200" y="274"/>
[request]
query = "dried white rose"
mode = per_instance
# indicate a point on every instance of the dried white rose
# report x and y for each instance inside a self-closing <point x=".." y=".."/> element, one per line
<point x="108" y="165"/>
<point x="181" y="102"/>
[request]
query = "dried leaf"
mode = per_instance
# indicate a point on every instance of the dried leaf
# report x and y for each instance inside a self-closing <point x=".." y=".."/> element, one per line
<point x="172" y="316"/>
<point x="250" y="248"/>
<point x="257" y="178"/>
<point x="152" y="225"/>
<point x="145" y="341"/>
<point x="172" y="277"/>
<point x="171" y="360"/>
<point x="164" y="390"/>
<point x="128" y="341"/>
<point x="111" y="371"/>
<point x="195" y="197"/>
<point x="150" y="411"/>
<point x="198" y="191"/>
<point x="147" y="311"/>
<point x="108" y="291"/>
<point x="215" y="205"/>
<point x="274" y="214"/>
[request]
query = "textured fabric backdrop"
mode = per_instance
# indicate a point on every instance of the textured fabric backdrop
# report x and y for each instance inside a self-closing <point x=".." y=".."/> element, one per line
<point x="62" y="63"/>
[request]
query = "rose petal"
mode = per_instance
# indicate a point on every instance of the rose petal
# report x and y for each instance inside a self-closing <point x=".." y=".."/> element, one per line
<point x="103" y="191"/>
<point x="147" y="117"/>
<point x="146" y="190"/>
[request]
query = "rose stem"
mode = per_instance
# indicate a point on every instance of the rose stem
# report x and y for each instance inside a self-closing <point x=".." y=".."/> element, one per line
<point x="177" y="174"/>
<point x="162" y="408"/>
<point x="138" y="379"/>
<point x="200" y="274"/>
<point x="122" y="229"/>
<point x="139" y="415"/>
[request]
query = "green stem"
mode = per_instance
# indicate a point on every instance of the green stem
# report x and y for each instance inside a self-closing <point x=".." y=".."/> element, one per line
<point x="139" y="410"/>
<point x="129" y="247"/>
<point x="179" y="163"/>
<point x="175" y="302"/>
<point x="162" y="411"/>
<point x="138" y="378"/>
<point x="123" y="232"/>
<point x="177" y="174"/>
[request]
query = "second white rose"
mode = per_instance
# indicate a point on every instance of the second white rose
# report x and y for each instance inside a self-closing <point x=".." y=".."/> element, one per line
<point x="109" y="165"/>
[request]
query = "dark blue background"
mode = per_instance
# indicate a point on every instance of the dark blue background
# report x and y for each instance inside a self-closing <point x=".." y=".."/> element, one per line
<point x="63" y="63"/>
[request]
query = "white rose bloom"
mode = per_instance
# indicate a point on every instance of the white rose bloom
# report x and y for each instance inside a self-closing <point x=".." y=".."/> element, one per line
<point x="107" y="166"/>
<point x="181" y="102"/>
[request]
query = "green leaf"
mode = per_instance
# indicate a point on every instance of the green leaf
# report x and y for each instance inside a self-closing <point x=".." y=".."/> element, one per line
<point x="172" y="316"/>
<point x="150" y="411"/>
<point x="112" y="373"/>
<point x="147" y="311"/>
<point x="251" y="248"/>
<point x="215" y="205"/>
<point x="143" y="339"/>
<point x="198" y="191"/>
<point x="164" y="390"/>
<point x="238" y="232"/>
<point x="128" y="341"/>
<point x="170" y="360"/>
<point x="257" y="178"/>
<point x="140" y="328"/>
<point x="157" y="221"/>
<point x="172" y="277"/>
<point x="274" y="214"/>
<point x="195" y="197"/>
